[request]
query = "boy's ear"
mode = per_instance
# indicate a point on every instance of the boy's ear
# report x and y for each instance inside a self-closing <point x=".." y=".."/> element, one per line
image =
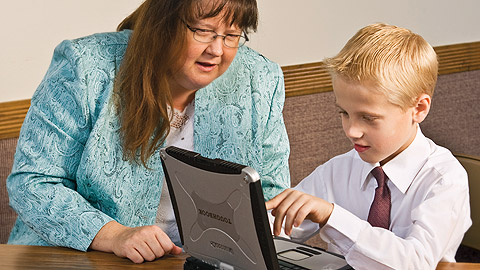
<point x="422" y="108"/>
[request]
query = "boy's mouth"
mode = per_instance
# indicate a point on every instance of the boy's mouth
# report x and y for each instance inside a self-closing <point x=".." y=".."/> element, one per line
<point x="360" y="148"/>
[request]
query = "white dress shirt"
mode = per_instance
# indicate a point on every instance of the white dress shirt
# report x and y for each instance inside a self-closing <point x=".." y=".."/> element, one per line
<point x="429" y="215"/>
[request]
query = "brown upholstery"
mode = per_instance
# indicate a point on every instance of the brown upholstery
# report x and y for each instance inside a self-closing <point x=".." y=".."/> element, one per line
<point x="7" y="215"/>
<point x="315" y="132"/>
<point x="454" y="120"/>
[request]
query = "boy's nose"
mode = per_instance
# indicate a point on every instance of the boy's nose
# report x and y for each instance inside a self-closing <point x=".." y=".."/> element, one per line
<point x="215" y="47"/>
<point x="352" y="130"/>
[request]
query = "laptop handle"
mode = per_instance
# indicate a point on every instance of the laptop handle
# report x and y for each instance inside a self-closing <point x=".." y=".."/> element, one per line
<point x="211" y="165"/>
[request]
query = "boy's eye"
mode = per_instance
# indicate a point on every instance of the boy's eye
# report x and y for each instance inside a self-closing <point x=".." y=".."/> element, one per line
<point x="343" y="113"/>
<point x="369" y="118"/>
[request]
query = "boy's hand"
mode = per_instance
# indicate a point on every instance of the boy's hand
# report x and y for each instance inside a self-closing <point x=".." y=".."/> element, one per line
<point x="295" y="206"/>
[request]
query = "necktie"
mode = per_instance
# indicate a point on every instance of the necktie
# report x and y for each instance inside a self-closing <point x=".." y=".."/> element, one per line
<point x="379" y="215"/>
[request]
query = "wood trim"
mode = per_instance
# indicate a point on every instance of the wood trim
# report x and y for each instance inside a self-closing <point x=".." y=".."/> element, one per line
<point x="458" y="57"/>
<point x="11" y="117"/>
<point x="306" y="79"/>
<point x="313" y="78"/>
<point x="300" y="80"/>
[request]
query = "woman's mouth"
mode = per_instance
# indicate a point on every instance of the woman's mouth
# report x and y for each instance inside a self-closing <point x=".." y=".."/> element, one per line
<point x="360" y="148"/>
<point x="205" y="66"/>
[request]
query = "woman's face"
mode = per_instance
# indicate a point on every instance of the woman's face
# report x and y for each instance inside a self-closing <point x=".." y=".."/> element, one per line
<point x="204" y="62"/>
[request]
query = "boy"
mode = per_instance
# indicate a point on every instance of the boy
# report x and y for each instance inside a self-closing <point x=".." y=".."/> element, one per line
<point x="383" y="81"/>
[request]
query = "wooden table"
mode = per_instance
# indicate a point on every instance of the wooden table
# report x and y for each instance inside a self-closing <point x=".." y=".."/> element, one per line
<point x="34" y="257"/>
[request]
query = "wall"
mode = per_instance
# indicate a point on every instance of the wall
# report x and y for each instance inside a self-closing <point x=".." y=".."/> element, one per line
<point x="32" y="28"/>
<point x="302" y="31"/>
<point x="290" y="32"/>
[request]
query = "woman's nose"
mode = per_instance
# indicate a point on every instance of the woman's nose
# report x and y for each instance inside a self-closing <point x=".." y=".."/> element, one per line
<point x="215" y="47"/>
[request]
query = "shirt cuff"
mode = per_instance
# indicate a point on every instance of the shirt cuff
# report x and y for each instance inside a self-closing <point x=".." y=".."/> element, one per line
<point x="342" y="229"/>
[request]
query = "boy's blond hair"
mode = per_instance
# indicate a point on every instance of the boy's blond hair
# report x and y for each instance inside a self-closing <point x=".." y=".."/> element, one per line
<point x="401" y="63"/>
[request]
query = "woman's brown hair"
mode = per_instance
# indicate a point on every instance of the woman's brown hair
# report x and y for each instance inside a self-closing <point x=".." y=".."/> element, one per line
<point x="156" y="43"/>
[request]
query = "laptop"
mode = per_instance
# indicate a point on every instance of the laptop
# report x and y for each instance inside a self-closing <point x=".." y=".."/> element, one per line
<point x="222" y="220"/>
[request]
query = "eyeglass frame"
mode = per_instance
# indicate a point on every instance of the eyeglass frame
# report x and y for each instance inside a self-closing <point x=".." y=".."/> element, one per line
<point x="194" y="31"/>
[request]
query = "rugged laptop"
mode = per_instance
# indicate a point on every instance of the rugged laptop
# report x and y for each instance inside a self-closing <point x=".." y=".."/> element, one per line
<point x="220" y="212"/>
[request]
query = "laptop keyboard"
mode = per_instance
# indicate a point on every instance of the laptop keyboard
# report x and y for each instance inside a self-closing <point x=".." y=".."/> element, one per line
<point x="286" y="265"/>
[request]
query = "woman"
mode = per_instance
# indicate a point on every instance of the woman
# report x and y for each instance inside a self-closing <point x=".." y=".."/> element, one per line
<point x="87" y="173"/>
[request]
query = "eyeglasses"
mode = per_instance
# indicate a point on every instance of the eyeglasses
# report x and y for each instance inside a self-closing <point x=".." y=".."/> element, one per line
<point x="207" y="36"/>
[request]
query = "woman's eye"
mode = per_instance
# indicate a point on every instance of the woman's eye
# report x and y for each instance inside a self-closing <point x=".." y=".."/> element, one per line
<point x="205" y="32"/>
<point x="233" y="37"/>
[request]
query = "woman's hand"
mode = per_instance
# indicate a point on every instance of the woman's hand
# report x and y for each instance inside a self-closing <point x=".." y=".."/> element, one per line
<point x="138" y="244"/>
<point x="294" y="206"/>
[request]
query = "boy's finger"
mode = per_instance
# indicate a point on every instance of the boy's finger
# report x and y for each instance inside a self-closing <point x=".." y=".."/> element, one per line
<point x="284" y="211"/>
<point x="302" y="213"/>
<point x="294" y="214"/>
<point x="269" y="205"/>
<point x="277" y="224"/>
<point x="273" y="203"/>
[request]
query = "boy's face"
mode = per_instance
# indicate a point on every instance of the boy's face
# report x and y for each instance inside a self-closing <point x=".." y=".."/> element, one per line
<point x="378" y="129"/>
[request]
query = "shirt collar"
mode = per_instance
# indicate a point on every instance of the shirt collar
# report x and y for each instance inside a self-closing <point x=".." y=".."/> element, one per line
<point x="403" y="168"/>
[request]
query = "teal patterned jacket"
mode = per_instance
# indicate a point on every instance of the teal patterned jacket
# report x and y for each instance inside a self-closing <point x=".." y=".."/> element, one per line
<point x="69" y="178"/>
